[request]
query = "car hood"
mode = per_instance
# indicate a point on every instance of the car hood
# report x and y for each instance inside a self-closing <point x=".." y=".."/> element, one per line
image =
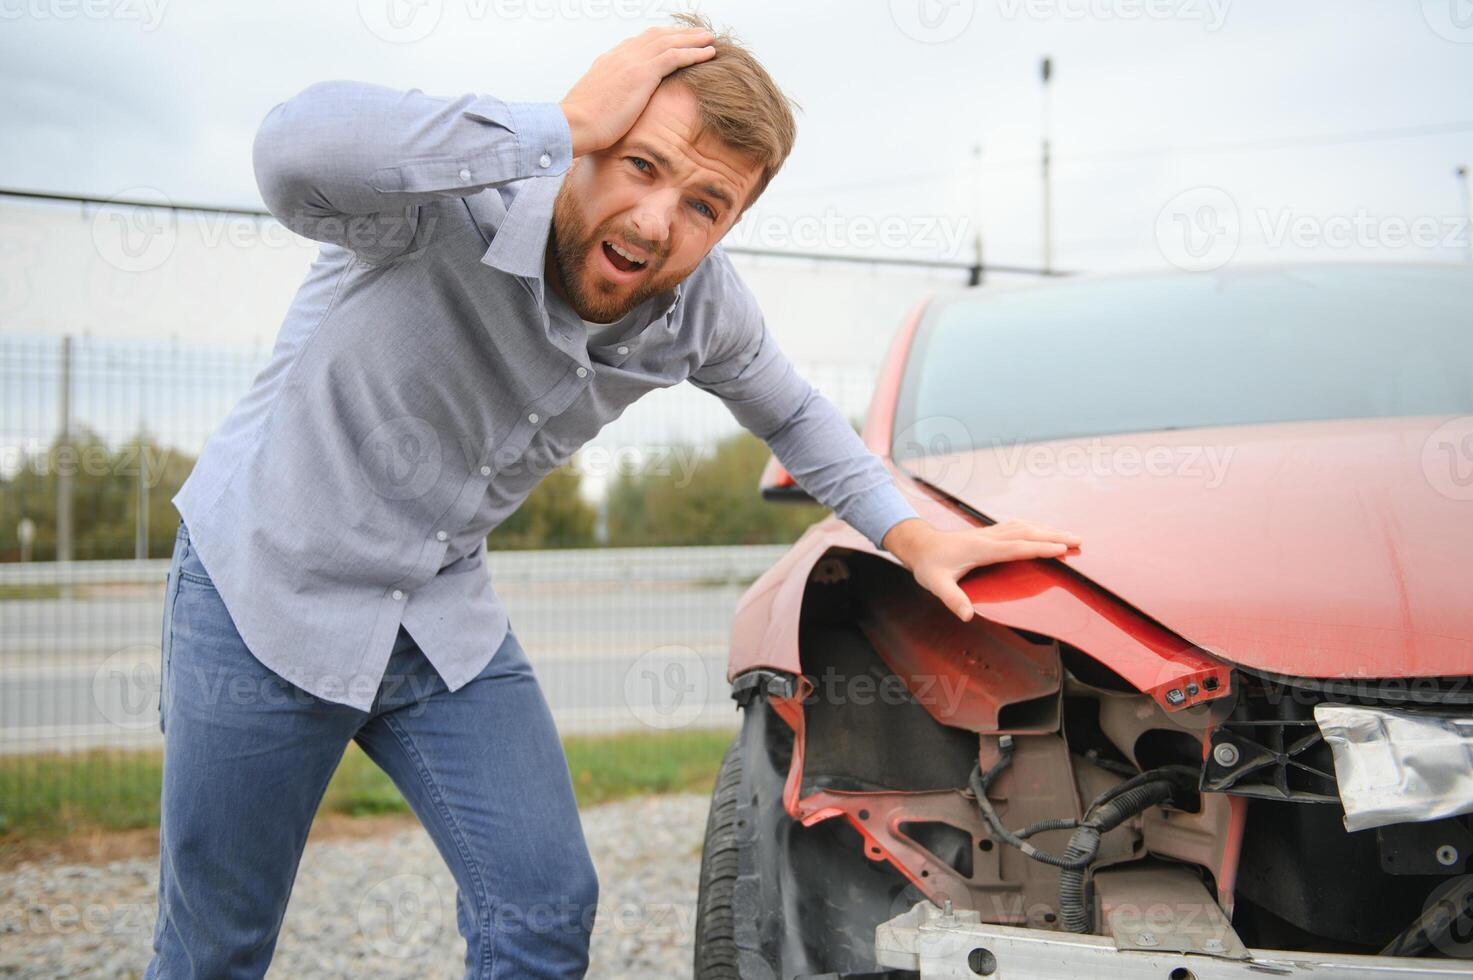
<point x="1316" y="549"/>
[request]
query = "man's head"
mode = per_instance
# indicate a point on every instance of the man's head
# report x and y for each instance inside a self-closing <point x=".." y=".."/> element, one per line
<point x="634" y="219"/>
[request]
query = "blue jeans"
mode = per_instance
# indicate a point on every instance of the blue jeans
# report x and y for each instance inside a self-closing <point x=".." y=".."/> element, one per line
<point x="247" y="757"/>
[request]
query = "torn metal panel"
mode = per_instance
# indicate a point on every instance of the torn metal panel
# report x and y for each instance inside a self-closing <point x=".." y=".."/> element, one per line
<point x="1398" y="766"/>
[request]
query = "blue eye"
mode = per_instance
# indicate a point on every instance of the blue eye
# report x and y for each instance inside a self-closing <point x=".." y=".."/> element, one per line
<point x="641" y="163"/>
<point x="704" y="209"/>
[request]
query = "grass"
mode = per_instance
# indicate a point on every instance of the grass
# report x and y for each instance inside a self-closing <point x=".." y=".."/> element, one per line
<point x="8" y="592"/>
<point x="53" y="796"/>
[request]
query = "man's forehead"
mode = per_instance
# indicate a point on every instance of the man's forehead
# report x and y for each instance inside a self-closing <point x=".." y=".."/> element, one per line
<point x="670" y="125"/>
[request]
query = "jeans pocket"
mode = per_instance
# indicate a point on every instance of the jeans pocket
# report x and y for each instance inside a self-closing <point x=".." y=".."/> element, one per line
<point x="191" y="569"/>
<point x="166" y="638"/>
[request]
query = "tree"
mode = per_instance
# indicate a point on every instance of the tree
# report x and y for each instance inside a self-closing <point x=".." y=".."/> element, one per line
<point x="554" y="515"/>
<point x="105" y="488"/>
<point x="717" y="502"/>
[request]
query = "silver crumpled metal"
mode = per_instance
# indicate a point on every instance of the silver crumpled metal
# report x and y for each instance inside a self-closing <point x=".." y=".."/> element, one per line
<point x="1398" y="766"/>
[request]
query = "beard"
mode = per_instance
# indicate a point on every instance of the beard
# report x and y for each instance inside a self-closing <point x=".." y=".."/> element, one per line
<point x="590" y="295"/>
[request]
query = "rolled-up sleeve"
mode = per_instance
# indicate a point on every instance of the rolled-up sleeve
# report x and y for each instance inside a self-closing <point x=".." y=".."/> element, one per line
<point x="350" y="162"/>
<point x="806" y="431"/>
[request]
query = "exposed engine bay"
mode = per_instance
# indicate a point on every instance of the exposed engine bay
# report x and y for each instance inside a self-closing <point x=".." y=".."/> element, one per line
<point x="988" y="797"/>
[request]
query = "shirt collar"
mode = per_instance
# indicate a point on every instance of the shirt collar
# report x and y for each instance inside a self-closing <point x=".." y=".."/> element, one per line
<point x="519" y="233"/>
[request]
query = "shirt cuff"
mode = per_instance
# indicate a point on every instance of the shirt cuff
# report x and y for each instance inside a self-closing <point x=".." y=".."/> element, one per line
<point x="875" y="513"/>
<point x="544" y="143"/>
<point x="543" y="135"/>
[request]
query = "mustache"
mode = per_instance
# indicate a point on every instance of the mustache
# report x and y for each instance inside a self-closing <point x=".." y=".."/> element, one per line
<point x="637" y="241"/>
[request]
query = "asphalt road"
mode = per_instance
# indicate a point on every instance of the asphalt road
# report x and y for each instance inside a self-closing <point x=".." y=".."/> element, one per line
<point x="84" y="672"/>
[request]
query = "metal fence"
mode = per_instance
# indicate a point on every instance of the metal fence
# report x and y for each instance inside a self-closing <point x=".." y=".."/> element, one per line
<point x="96" y="437"/>
<point x="621" y="638"/>
<point x="99" y="428"/>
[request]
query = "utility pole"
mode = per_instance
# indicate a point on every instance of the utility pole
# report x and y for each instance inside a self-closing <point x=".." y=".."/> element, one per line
<point x="140" y="521"/>
<point x="1462" y="175"/>
<point x="974" y="278"/>
<point x="1047" y="71"/>
<point x="64" y="461"/>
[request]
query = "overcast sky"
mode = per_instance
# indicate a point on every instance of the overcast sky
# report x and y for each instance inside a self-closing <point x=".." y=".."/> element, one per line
<point x="1312" y="126"/>
<point x="1186" y="134"/>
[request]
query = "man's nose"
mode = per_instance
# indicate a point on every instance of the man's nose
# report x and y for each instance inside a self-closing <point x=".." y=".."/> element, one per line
<point x="651" y="218"/>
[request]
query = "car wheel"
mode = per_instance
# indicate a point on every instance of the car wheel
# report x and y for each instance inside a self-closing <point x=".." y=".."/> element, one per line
<point x="716" y="950"/>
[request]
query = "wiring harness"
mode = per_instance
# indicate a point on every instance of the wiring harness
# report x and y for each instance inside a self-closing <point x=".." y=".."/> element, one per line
<point x="1109" y="810"/>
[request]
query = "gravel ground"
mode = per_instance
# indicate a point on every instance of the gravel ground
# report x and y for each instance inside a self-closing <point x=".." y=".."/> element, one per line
<point x="376" y="907"/>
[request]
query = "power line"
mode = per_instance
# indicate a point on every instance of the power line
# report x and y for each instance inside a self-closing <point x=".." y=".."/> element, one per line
<point x="975" y="270"/>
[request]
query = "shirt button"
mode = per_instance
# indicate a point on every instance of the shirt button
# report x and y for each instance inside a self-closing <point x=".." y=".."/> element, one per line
<point x="544" y="161"/>
<point x="398" y="593"/>
<point x="623" y="350"/>
<point x="583" y="372"/>
<point x="533" y="417"/>
<point x="465" y="174"/>
<point x="485" y="471"/>
<point x="441" y="535"/>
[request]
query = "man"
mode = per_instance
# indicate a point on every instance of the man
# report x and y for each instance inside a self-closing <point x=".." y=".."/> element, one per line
<point x="328" y="580"/>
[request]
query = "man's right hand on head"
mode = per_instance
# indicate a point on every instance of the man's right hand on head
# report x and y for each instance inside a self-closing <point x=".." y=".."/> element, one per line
<point x="606" y="101"/>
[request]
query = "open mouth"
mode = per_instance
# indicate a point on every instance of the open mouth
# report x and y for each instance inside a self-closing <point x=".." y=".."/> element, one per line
<point x="622" y="259"/>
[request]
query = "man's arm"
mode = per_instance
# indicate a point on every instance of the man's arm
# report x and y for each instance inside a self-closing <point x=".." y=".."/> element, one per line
<point x="823" y="454"/>
<point x="807" y="433"/>
<point x="350" y="162"/>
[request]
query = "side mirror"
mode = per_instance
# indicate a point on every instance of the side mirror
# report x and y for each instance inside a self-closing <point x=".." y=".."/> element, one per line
<point x="778" y="485"/>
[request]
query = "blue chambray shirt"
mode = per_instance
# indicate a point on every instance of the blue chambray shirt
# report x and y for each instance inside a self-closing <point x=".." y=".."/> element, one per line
<point x="425" y="380"/>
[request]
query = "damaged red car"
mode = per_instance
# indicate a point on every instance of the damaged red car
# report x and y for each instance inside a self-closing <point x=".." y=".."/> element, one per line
<point x="1230" y="737"/>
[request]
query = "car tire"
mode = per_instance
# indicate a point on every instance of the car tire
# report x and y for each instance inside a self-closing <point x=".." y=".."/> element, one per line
<point x="715" y="939"/>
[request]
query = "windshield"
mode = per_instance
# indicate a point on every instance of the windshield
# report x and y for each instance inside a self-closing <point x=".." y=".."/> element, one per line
<point x="1091" y="358"/>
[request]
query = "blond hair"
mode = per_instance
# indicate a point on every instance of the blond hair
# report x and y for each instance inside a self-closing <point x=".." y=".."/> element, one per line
<point x="739" y="103"/>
